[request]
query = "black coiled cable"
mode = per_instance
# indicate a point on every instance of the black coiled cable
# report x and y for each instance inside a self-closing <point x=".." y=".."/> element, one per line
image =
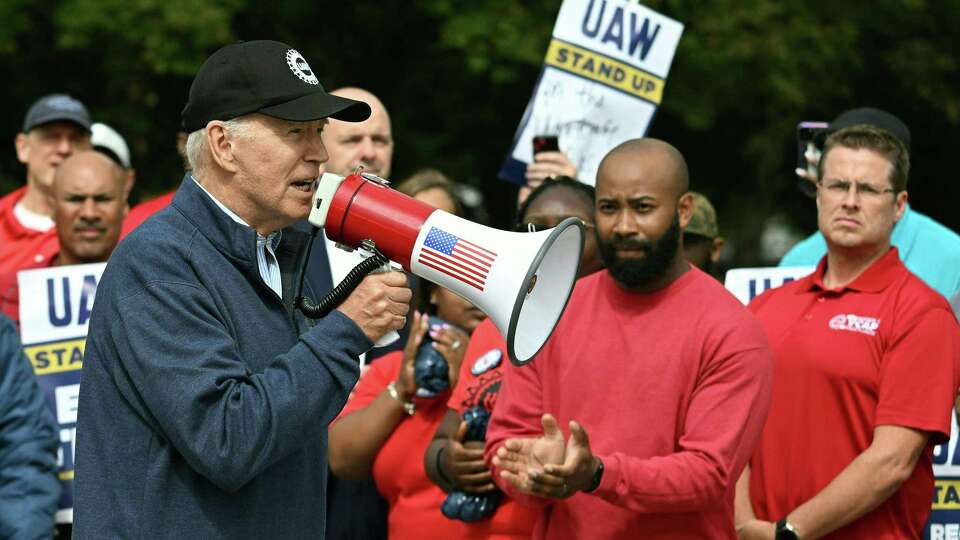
<point x="339" y="293"/>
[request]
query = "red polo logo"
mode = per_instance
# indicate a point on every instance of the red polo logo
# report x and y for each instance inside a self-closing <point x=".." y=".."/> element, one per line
<point x="855" y="323"/>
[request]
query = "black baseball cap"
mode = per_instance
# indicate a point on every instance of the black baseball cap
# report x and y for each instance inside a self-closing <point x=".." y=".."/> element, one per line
<point x="56" y="108"/>
<point x="263" y="76"/>
<point x="872" y="117"/>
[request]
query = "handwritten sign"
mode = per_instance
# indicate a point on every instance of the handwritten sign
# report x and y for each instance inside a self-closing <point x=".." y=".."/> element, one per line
<point x="601" y="83"/>
<point x="55" y="306"/>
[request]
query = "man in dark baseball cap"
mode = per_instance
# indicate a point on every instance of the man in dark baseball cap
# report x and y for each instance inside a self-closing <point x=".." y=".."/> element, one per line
<point x="702" y="242"/>
<point x="266" y="77"/>
<point x="54" y="128"/>
<point x="927" y="248"/>
<point x="206" y="394"/>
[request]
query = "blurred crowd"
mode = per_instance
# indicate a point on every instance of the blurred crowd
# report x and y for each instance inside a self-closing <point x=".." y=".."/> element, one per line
<point x="660" y="408"/>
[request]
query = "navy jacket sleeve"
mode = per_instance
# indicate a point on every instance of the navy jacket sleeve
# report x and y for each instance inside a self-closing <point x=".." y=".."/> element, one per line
<point x="229" y="422"/>
<point x="29" y="488"/>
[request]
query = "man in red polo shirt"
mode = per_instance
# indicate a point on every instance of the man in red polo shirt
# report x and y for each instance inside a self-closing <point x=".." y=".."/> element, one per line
<point x="866" y="368"/>
<point x="55" y="127"/>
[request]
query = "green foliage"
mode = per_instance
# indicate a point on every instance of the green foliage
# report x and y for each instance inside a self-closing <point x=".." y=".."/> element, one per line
<point x="456" y="77"/>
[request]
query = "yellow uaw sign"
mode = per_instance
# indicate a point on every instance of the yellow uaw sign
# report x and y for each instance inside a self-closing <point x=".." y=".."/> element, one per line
<point x="946" y="494"/>
<point x="605" y="70"/>
<point x="56" y="357"/>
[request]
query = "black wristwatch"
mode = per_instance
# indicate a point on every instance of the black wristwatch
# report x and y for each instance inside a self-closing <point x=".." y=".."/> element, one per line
<point x="597" y="477"/>
<point x="786" y="531"/>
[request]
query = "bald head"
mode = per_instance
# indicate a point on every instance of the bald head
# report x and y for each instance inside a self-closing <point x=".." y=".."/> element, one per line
<point x="642" y="205"/>
<point x="89" y="204"/>
<point x="368" y="143"/>
<point x="88" y="164"/>
<point x="651" y="162"/>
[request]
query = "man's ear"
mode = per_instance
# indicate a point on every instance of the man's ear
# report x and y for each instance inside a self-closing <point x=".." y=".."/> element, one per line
<point x="901" y="205"/>
<point x="685" y="209"/>
<point x="717" y="248"/>
<point x="23" y="147"/>
<point x="221" y="146"/>
<point x="128" y="181"/>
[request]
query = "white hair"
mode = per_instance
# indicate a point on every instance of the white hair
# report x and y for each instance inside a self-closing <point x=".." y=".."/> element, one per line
<point x="196" y="147"/>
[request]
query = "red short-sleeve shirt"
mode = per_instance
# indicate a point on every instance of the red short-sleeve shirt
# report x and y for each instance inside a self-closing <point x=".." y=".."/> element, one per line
<point x="398" y="471"/>
<point x="884" y="350"/>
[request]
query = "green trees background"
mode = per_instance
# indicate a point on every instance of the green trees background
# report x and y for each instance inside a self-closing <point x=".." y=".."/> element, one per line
<point x="457" y="76"/>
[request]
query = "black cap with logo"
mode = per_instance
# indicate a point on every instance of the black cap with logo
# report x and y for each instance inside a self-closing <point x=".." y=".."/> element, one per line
<point x="268" y="77"/>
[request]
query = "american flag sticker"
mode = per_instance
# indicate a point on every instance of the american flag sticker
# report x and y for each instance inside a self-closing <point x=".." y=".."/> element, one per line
<point x="457" y="258"/>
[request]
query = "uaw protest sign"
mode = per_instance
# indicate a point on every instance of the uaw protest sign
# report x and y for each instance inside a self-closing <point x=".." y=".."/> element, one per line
<point x="944" y="522"/>
<point x="600" y="85"/>
<point x="55" y="307"/>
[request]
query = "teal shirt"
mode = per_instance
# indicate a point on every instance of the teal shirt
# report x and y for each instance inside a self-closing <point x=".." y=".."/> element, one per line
<point x="927" y="248"/>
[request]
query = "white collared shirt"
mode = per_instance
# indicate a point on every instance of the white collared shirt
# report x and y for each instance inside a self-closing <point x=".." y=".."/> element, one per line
<point x="266" y="247"/>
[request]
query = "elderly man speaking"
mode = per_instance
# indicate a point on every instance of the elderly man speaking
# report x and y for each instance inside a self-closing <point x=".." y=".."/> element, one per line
<point x="206" y="396"/>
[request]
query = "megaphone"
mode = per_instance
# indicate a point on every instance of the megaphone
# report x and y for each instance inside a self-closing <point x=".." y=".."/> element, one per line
<point x="522" y="281"/>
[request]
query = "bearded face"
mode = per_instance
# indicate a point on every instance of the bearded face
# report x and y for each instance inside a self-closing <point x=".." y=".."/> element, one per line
<point x="648" y="260"/>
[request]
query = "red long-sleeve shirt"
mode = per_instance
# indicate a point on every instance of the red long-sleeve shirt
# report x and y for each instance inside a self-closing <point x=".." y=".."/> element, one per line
<point x="672" y="388"/>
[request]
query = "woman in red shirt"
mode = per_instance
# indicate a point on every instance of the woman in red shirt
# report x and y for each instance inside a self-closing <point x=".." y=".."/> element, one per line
<point x="385" y="427"/>
<point x="454" y="464"/>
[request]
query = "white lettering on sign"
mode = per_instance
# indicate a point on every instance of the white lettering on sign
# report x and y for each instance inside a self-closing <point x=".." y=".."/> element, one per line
<point x="66" y="398"/>
<point x="949" y="531"/>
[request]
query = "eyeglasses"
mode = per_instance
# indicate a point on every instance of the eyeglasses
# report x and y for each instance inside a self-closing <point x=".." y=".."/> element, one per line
<point x="534" y="227"/>
<point x="840" y="188"/>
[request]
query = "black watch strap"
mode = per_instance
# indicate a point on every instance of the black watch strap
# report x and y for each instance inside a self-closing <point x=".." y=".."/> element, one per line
<point x="785" y="531"/>
<point x="597" y="477"/>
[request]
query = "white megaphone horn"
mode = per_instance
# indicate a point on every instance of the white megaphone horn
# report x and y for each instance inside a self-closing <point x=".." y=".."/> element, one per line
<point x="522" y="281"/>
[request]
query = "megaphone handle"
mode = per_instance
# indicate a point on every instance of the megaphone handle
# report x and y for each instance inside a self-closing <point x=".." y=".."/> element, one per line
<point x="392" y="335"/>
<point x="339" y="293"/>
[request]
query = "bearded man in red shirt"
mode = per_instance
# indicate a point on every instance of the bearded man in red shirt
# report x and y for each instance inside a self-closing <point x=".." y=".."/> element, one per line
<point x="665" y="369"/>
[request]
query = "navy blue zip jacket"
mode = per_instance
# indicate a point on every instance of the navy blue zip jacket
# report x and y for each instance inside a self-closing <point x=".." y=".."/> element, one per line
<point x="205" y="397"/>
<point x="29" y="488"/>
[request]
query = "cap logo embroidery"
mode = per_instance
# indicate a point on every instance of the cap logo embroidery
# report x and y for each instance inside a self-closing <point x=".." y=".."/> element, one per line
<point x="299" y="66"/>
<point x="855" y="323"/>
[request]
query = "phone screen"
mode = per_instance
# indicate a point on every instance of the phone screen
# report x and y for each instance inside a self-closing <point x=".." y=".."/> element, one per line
<point x="546" y="143"/>
<point x="807" y="143"/>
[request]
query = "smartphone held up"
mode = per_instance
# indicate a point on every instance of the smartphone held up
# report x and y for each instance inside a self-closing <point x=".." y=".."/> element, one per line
<point x="545" y="143"/>
<point x="808" y="153"/>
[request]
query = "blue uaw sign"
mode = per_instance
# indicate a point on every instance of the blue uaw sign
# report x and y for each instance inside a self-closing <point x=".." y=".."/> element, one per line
<point x="600" y="85"/>
<point x="55" y="307"/>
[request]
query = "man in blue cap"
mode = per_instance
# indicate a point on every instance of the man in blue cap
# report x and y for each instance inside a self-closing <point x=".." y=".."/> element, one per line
<point x="54" y="128"/>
